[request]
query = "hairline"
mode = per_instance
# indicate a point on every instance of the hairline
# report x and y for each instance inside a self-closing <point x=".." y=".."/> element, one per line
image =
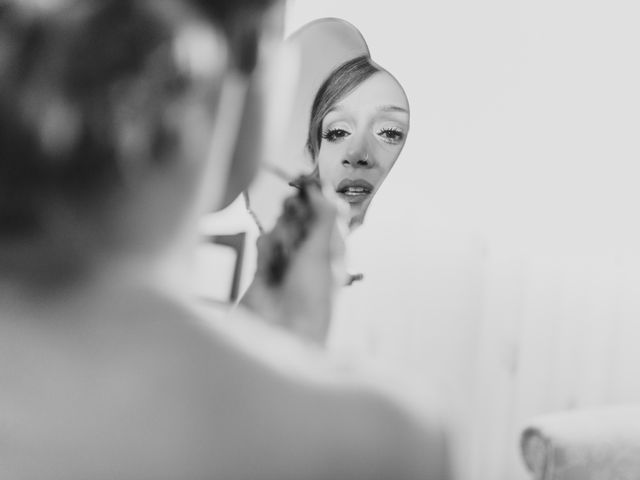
<point x="370" y="70"/>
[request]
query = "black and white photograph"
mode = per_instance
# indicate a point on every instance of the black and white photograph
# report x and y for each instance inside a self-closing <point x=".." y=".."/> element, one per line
<point x="319" y="240"/>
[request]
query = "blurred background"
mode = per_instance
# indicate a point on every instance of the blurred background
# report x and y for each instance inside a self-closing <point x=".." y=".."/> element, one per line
<point x="501" y="258"/>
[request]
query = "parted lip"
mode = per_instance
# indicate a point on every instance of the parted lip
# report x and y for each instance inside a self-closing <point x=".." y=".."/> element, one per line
<point x="347" y="184"/>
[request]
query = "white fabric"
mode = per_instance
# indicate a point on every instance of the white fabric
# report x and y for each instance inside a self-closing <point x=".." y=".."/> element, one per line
<point x="591" y="444"/>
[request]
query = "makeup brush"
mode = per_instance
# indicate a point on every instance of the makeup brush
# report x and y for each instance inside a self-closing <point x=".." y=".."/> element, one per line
<point x="295" y="221"/>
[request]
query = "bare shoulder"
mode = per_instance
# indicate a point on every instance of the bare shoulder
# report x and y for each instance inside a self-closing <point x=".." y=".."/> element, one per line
<point x="157" y="389"/>
<point x="321" y="419"/>
<point x="233" y="398"/>
<point x="408" y="441"/>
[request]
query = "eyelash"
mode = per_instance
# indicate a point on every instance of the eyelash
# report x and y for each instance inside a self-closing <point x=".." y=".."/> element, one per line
<point x="335" y="134"/>
<point x="391" y="135"/>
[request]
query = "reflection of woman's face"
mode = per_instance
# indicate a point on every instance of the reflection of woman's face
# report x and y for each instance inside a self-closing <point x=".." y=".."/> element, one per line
<point x="362" y="136"/>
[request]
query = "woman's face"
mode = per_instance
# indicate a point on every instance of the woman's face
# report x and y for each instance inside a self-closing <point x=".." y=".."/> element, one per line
<point x="362" y="136"/>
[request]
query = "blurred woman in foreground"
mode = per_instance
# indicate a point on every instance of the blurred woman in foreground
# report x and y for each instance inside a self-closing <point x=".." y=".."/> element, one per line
<point x="122" y="122"/>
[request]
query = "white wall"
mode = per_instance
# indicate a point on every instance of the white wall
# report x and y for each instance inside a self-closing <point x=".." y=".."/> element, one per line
<point x="502" y="257"/>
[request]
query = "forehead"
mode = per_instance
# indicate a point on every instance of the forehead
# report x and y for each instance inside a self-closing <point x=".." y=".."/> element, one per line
<point x="379" y="90"/>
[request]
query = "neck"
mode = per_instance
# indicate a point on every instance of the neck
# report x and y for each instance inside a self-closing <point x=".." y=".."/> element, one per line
<point x="40" y="274"/>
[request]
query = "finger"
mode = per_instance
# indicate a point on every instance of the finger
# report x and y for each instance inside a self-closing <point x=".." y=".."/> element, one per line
<point x="264" y="246"/>
<point x="263" y="243"/>
<point x="296" y="209"/>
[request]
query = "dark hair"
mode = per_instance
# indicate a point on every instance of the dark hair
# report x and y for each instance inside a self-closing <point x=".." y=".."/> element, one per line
<point x="340" y="83"/>
<point x="75" y="80"/>
<point x="242" y="22"/>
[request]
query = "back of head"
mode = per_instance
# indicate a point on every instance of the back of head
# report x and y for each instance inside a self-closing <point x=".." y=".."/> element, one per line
<point x="96" y="96"/>
<point x="90" y="91"/>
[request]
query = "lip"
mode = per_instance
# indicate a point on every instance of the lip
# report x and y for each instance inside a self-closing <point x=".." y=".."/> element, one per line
<point x="354" y="191"/>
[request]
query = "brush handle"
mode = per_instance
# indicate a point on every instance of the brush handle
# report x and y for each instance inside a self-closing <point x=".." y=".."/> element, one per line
<point x="291" y="229"/>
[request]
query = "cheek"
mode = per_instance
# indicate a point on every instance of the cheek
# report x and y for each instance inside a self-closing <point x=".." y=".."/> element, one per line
<point x="329" y="161"/>
<point x="387" y="158"/>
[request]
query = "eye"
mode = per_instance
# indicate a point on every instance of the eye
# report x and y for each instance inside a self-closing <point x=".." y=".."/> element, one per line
<point x="391" y="135"/>
<point x="335" y="134"/>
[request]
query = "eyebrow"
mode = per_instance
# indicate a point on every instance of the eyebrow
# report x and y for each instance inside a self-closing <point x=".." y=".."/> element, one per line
<point x="392" y="108"/>
<point x="381" y="108"/>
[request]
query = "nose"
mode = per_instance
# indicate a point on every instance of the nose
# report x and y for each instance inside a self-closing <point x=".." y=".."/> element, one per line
<point x="362" y="161"/>
<point x="359" y="155"/>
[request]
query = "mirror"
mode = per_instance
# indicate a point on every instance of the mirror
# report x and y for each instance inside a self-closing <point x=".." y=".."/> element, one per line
<point x="348" y="122"/>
